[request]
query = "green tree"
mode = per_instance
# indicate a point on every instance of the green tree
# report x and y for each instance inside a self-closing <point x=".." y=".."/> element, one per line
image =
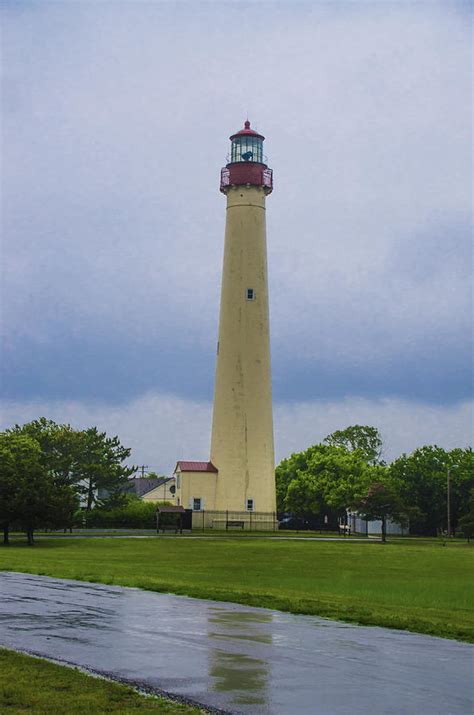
<point x="29" y="494"/>
<point x="99" y="466"/>
<point x="18" y="455"/>
<point x="87" y="459"/>
<point x="287" y="471"/>
<point x="466" y="522"/>
<point x="422" y="482"/>
<point x="381" y="501"/>
<point x="41" y="503"/>
<point x="341" y="475"/>
<point x="461" y="483"/>
<point x="362" y="438"/>
<point x="302" y="496"/>
<point x="323" y="477"/>
<point x="60" y="447"/>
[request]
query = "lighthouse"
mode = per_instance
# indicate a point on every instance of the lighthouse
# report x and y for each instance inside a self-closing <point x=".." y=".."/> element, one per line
<point x="242" y="424"/>
<point x="240" y="476"/>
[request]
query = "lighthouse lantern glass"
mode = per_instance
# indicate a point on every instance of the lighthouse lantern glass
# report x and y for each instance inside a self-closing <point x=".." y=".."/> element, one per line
<point x="247" y="148"/>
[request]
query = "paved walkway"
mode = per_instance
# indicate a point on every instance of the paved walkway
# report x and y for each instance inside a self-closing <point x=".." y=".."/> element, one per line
<point x="239" y="659"/>
<point x="232" y="535"/>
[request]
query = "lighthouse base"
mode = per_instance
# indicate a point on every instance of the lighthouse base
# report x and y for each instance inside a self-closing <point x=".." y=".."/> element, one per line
<point x="197" y="489"/>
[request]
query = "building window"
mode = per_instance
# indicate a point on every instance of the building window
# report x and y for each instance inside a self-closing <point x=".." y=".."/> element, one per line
<point x="177" y="501"/>
<point x="250" y="294"/>
<point x="249" y="504"/>
<point x="196" y="503"/>
<point x="178" y="481"/>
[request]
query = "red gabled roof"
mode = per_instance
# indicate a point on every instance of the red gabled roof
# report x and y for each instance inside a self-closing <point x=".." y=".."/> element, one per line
<point x="196" y="467"/>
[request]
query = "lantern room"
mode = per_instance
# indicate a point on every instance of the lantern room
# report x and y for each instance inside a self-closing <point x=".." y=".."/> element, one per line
<point x="246" y="145"/>
<point x="246" y="165"/>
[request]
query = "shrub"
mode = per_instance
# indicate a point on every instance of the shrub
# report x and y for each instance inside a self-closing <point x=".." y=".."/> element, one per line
<point x="134" y="514"/>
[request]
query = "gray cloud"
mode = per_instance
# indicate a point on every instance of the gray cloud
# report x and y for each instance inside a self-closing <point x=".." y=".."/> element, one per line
<point x="116" y="117"/>
<point x="161" y="429"/>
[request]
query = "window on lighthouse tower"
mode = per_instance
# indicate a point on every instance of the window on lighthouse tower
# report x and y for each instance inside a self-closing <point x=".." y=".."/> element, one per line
<point x="250" y="294"/>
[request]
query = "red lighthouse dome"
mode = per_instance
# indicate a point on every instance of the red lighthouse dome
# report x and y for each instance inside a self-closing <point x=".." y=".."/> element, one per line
<point x="246" y="166"/>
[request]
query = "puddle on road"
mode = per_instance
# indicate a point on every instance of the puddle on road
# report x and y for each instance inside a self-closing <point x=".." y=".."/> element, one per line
<point x="239" y="659"/>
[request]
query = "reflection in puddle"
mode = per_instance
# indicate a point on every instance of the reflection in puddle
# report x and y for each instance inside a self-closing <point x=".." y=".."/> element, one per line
<point x="238" y="618"/>
<point x="239" y="674"/>
<point x="231" y="671"/>
<point x="242" y="625"/>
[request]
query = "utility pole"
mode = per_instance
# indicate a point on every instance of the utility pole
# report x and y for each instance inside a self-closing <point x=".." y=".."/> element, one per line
<point x="142" y="469"/>
<point x="448" y="488"/>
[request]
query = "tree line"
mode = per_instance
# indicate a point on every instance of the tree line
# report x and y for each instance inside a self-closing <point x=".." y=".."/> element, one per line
<point x="49" y="470"/>
<point x="346" y="471"/>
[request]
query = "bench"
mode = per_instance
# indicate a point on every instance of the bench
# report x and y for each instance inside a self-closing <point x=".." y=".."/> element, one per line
<point x="238" y="524"/>
<point x="170" y="527"/>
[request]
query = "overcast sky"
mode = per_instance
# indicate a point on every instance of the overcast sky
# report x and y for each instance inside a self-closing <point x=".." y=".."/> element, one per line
<point x="116" y="118"/>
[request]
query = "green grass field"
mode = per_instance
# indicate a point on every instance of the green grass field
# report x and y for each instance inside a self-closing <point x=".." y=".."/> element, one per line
<point x="419" y="586"/>
<point x="34" y="685"/>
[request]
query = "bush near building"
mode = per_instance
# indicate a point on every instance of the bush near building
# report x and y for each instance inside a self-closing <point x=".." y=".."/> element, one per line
<point x="132" y="514"/>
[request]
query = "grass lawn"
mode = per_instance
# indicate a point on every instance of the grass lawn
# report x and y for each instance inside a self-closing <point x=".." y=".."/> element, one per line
<point x="34" y="685"/>
<point x="419" y="586"/>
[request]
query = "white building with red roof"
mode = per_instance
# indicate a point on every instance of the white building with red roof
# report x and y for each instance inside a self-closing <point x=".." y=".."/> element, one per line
<point x="196" y="485"/>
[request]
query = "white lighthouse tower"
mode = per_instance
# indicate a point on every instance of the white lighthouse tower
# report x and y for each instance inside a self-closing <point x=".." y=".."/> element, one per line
<point x="242" y="426"/>
<point x="240" y="476"/>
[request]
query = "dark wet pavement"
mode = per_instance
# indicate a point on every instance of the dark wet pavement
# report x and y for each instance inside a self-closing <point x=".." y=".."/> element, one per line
<point x="237" y="658"/>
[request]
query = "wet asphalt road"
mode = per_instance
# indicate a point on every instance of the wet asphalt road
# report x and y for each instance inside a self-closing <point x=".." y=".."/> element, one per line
<point x="236" y="658"/>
